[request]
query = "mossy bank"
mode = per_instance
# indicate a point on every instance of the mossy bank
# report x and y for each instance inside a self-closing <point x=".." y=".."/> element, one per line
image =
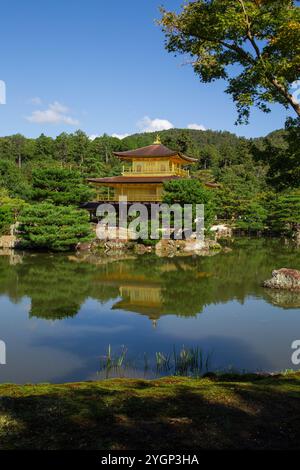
<point x="225" y="412"/>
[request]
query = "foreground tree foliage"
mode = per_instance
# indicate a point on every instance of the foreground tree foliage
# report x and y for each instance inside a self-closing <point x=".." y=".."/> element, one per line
<point x="253" y="44"/>
<point x="190" y="191"/>
<point x="253" y="217"/>
<point x="60" y="186"/>
<point x="13" y="180"/>
<point x="49" y="227"/>
<point x="242" y="190"/>
<point x="285" y="212"/>
<point x="282" y="157"/>
<point x="10" y="209"/>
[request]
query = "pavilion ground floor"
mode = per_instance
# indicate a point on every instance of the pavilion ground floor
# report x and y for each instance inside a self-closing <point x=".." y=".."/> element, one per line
<point x="133" y="192"/>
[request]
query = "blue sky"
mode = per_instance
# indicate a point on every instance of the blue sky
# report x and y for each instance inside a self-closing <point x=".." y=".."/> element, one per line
<point x="101" y="66"/>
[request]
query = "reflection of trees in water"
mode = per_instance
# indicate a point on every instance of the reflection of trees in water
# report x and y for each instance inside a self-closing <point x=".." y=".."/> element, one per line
<point x="148" y="285"/>
<point x="9" y="280"/>
<point x="53" y="284"/>
<point x="187" y="285"/>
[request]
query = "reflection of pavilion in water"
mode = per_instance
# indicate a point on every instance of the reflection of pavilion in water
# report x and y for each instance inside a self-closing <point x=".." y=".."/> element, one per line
<point x="145" y="300"/>
<point x="139" y="293"/>
<point x="174" y="287"/>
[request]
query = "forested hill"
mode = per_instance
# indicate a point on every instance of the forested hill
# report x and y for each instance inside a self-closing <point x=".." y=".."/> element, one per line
<point x="77" y="146"/>
<point x="187" y="140"/>
<point x="215" y="151"/>
<point x="222" y="156"/>
<point x="191" y="140"/>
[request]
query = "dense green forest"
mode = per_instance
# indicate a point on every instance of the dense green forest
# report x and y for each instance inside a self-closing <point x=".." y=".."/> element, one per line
<point x="258" y="178"/>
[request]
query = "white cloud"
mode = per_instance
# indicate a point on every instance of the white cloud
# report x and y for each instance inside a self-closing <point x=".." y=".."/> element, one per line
<point x="120" y="136"/>
<point x="151" y="125"/>
<point x="56" y="113"/>
<point x="93" y="136"/>
<point x="197" y="127"/>
<point x="36" y="100"/>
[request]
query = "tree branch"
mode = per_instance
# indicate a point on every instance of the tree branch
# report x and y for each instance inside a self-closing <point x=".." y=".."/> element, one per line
<point x="279" y="87"/>
<point x="239" y="50"/>
<point x="249" y="32"/>
<point x="284" y="92"/>
<point x="232" y="47"/>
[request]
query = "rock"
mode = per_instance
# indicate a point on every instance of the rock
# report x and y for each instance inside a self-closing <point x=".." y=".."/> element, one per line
<point x="221" y="231"/>
<point x="212" y="245"/>
<point x="83" y="246"/>
<point x="8" y="241"/>
<point x="114" y="233"/>
<point x="284" y="278"/>
<point x="101" y="247"/>
<point x="117" y="245"/>
<point x="141" y="249"/>
<point x="296" y="236"/>
<point x="165" y="247"/>
<point x="105" y="258"/>
<point x="189" y="246"/>
<point x="193" y="245"/>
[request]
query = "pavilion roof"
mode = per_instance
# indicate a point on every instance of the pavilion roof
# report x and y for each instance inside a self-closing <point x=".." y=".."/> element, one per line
<point x="154" y="150"/>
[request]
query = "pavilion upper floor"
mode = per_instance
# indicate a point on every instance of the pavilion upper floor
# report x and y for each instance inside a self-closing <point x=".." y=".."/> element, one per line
<point x="154" y="167"/>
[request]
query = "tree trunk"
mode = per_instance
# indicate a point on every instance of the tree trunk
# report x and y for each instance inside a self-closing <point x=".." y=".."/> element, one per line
<point x="296" y="107"/>
<point x="291" y="100"/>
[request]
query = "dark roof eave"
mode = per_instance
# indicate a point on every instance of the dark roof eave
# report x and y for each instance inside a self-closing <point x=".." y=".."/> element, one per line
<point x="132" y="179"/>
<point x="189" y="159"/>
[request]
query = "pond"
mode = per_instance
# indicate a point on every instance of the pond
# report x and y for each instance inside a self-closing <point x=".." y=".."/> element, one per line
<point x="59" y="313"/>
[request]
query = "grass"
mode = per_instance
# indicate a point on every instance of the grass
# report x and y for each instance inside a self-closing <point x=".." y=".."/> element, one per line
<point x="221" y="412"/>
<point x="191" y="362"/>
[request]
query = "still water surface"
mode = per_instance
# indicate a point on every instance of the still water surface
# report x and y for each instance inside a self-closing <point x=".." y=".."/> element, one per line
<point x="58" y="313"/>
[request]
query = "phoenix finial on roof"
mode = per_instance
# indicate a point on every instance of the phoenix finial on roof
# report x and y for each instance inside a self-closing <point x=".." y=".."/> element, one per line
<point x="157" y="140"/>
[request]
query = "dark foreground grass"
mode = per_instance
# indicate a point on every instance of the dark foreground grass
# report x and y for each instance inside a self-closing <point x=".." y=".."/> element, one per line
<point x="171" y="413"/>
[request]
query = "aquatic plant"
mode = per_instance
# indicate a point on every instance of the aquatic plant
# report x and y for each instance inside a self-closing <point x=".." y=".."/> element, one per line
<point x="191" y="362"/>
<point x="111" y="362"/>
<point x="162" y="362"/>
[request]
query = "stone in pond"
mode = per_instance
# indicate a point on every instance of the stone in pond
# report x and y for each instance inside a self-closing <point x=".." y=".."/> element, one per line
<point x="284" y="278"/>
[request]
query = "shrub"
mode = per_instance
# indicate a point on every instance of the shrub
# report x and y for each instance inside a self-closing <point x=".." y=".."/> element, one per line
<point x="285" y="212"/>
<point x="49" y="227"/>
<point x="253" y="217"/>
<point x="190" y="191"/>
<point x="9" y="211"/>
<point x="60" y="186"/>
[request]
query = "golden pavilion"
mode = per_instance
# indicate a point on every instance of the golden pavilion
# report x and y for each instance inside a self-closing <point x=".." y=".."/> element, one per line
<point x="144" y="171"/>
